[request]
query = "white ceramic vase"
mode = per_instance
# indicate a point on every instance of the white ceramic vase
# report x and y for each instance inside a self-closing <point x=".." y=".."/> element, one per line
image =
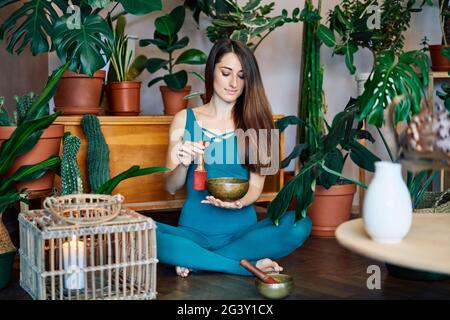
<point x="387" y="213"/>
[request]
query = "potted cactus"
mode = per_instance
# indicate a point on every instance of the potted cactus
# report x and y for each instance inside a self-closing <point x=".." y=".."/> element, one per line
<point x="166" y="39"/>
<point x="100" y="181"/>
<point x="22" y="140"/>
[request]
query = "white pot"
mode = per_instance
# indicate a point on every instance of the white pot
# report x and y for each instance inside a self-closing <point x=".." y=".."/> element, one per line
<point x="387" y="213"/>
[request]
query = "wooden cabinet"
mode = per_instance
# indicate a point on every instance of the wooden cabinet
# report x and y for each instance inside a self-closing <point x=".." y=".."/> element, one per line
<point x="143" y="141"/>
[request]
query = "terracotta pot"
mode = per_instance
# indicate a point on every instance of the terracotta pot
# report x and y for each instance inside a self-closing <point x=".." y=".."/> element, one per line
<point x="439" y="62"/>
<point x="173" y="100"/>
<point x="330" y="208"/>
<point x="124" y="98"/>
<point x="78" y="94"/>
<point x="47" y="145"/>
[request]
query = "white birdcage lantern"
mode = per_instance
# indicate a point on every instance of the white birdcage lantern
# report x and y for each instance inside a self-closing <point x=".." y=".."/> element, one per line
<point x="111" y="258"/>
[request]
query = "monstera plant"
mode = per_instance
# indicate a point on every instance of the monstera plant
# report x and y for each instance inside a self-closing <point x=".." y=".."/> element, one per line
<point x="392" y="76"/>
<point x="75" y="31"/>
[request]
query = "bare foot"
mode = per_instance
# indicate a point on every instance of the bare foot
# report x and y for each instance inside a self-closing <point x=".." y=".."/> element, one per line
<point x="268" y="265"/>
<point x="182" y="271"/>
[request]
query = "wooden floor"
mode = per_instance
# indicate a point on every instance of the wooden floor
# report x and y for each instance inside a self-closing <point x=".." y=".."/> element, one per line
<point x="321" y="268"/>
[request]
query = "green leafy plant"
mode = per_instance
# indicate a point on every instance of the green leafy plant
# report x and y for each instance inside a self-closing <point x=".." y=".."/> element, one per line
<point x="75" y="32"/>
<point x="22" y="140"/>
<point x="391" y="77"/>
<point x="124" y="68"/>
<point x="211" y="8"/>
<point x="133" y="171"/>
<point x="326" y="157"/>
<point x="249" y="23"/>
<point x="166" y="39"/>
<point x="354" y="22"/>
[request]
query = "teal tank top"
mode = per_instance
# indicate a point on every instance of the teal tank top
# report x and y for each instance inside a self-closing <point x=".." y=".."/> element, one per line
<point x="221" y="160"/>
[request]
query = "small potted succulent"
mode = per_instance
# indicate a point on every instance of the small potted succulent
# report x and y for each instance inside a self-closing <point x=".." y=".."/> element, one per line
<point x="124" y="92"/>
<point x="166" y="39"/>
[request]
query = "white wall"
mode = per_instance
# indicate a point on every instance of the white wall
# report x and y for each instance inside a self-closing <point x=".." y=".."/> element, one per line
<point x="279" y="61"/>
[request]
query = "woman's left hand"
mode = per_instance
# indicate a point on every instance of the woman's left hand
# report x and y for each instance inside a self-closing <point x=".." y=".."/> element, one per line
<point x="223" y="204"/>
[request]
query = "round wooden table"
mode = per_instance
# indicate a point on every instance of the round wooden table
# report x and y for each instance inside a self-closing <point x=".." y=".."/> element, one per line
<point x="426" y="246"/>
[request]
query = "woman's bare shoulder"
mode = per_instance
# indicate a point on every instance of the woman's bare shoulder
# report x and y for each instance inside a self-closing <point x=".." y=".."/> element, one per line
<point x="179" y="120"/>
<point x="200" y="110"/>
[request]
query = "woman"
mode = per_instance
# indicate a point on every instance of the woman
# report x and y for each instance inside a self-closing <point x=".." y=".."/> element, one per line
<point x="212" y="234"/>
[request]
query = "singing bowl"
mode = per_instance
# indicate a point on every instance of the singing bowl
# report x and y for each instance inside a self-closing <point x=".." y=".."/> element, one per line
<point x="227" y="189"/>
<point x="277" y="290"/>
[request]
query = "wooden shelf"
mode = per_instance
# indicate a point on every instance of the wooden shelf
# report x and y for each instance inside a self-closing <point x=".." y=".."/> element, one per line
<point x="126" y="120"/>
<point x="439" y="75"/>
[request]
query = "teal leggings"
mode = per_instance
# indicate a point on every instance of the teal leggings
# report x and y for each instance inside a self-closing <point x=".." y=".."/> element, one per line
<point x="180" y="246"/>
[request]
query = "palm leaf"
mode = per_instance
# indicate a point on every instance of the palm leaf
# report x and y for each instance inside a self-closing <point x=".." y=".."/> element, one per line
<point x="134" y="171"/>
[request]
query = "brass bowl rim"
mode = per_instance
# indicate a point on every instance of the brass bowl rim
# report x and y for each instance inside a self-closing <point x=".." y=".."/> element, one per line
<point x="227" y="180"/>
<point x="289" y="280"/>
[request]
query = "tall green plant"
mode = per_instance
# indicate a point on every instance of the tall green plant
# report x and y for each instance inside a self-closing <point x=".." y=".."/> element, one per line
<point x="311" y="102"/>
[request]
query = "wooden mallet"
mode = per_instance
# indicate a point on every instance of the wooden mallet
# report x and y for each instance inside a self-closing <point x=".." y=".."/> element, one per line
<point x="264" y="277"/>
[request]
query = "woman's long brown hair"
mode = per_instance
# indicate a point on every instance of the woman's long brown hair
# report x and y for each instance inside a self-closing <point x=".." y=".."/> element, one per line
<point x="252" y="109"/>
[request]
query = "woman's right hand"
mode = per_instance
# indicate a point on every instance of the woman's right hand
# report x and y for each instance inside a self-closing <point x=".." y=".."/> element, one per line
<point x="186" y="152"/>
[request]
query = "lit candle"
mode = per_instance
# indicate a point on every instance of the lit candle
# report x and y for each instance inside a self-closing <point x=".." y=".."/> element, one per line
<point x="73" y="254"/>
